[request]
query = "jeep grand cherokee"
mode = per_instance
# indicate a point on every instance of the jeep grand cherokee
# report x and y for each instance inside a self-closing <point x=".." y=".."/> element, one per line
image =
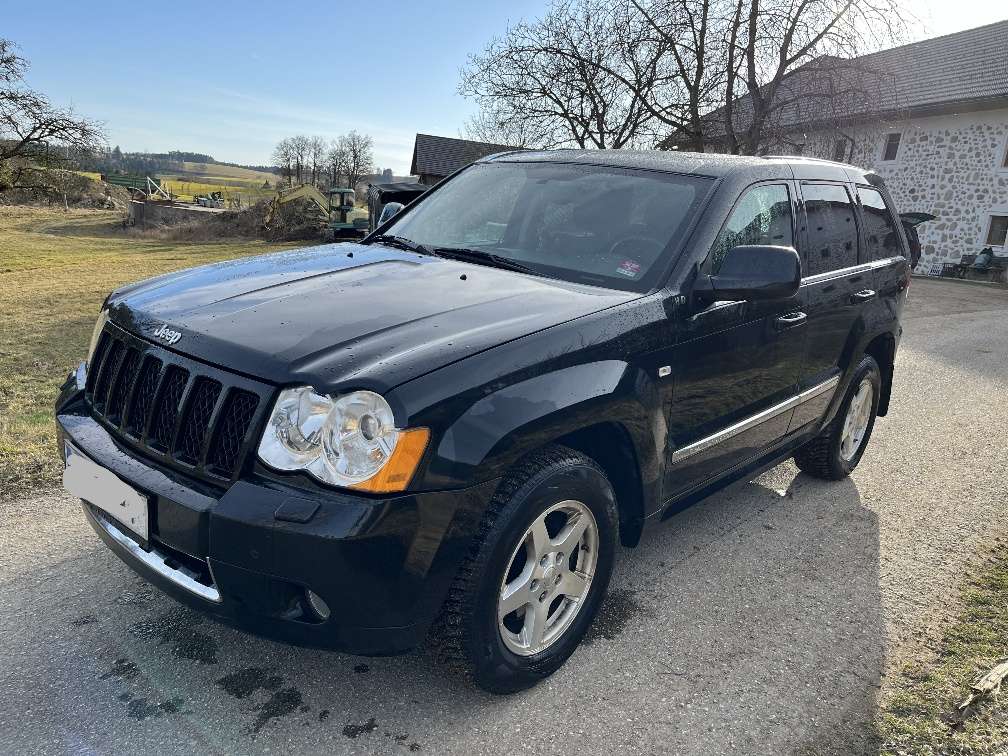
<point x="443" y="432"/>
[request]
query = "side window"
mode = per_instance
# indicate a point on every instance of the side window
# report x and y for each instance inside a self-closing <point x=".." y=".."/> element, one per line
<point x="881" y="233"/>
<point x="762" y="216"/>
<point x="832" y="228"/>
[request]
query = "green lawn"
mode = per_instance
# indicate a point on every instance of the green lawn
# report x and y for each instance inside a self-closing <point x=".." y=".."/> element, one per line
<point x="55" y="270"/>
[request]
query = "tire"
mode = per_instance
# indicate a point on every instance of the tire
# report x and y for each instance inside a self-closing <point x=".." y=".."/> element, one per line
<point x="826" y="456"/>
<point x="470" y="632"/>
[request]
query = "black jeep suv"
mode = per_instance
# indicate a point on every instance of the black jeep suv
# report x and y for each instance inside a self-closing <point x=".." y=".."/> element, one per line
<point x="442" y="432"/>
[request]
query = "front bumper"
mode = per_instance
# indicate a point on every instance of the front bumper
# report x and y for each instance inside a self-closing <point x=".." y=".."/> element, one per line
<point x="248" y="554"/>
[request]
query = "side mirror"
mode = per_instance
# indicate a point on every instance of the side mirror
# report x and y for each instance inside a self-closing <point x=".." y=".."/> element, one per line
<point x="754" y="271"/>
<point x="388" y="211"/>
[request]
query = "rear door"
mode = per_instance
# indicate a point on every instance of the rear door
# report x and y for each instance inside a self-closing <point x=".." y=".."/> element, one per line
<point x="836" y="287"/>
<point x="735" y="362"/>
<point x="884" y="248"/>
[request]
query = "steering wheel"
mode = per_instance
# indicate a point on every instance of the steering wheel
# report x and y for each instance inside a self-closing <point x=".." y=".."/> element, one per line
<point x="639" y="251"/>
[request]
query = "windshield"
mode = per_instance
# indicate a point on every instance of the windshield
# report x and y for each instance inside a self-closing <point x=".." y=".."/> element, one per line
<point x="590" y="224"/>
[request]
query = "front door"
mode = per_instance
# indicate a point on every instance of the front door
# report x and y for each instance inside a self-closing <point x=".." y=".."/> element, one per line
<point x="736" y="363"/>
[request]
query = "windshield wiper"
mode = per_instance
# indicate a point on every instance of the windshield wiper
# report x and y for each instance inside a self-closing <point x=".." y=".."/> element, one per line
<point x="401" y="242"/>
<point x="486" y="258"/>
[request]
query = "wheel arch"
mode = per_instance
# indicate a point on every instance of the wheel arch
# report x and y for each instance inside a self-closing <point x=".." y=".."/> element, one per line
<point x="883" y="349"/>
<point x="610" y="446"/>
<point x="606" y="410"/>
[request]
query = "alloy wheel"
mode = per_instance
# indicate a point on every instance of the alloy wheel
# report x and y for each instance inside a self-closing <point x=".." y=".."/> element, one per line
<point x="548" y="578"/>
<point x="856" y="423"/>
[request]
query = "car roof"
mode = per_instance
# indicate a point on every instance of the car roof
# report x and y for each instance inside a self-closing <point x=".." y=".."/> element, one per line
<point x="711" y="164"/>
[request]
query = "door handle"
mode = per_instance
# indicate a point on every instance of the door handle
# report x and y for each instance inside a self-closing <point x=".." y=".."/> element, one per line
<point x="790" y="320"/>
<point x="862" y="296"/>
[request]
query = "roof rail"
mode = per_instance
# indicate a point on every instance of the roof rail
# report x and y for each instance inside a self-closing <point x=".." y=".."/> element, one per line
<point x="802" y="157"/>
<point x="495" y="155"/>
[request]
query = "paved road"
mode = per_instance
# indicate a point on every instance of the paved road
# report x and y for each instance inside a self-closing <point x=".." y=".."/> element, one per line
<point x="761" y="621"/>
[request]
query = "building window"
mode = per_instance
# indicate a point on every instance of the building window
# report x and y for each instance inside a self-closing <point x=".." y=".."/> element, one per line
<point x="1004" y="162"/>
<point x="840" y="149"/>
<point x="892" y="143"/>
<point x="997" y="231"/>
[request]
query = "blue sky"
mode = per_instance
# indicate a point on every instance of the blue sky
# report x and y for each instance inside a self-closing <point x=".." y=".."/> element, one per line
<point x="230" y="79"/>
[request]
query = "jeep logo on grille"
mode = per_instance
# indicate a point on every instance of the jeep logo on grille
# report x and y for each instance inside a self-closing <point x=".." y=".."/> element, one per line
<point x="167" y="334"/>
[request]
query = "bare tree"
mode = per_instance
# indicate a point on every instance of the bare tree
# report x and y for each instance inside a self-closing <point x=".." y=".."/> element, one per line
<point x="723" y="73"/>
<point x="786" y="55"/>
<point x="336" y="160"/>
<point x="283" y="158"/>
<point x="316" y="157"/>
<point x="36" y="135"/>
<point x="497" y="124"/>
<point x="299" y="156"/>
<point x="555" y="81"/>
<point x="350" y="158"/>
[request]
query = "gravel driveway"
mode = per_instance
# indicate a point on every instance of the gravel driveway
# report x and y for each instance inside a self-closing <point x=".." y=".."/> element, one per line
<point x="759" y="621"/>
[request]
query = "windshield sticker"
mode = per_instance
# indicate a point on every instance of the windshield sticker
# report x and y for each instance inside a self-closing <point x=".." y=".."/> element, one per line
<point x="629" y="268"/>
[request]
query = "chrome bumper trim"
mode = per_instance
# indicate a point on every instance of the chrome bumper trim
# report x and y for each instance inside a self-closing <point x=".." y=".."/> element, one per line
<point x="750" y="422"/>
<point x="157" y="561"/>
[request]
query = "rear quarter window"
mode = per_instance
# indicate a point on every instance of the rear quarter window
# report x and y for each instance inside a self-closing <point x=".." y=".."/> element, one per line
<point x="882" y="239"/>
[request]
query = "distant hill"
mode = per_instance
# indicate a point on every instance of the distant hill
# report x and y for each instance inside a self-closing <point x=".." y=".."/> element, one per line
<point x="221" y="172"/>
<point x="189" y="165"/>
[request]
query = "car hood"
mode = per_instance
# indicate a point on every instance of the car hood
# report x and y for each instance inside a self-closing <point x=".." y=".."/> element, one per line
<point x="364" y="315"/>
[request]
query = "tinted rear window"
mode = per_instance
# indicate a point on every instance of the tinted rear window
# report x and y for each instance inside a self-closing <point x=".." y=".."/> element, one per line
<point x="881" y="235"/>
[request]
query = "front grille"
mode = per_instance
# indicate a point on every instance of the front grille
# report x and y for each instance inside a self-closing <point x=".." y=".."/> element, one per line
<point x="122" y="383"/>
<point x="143" y="396"/>
<point x="197" y="423"/>
<point x="163" y="427"/>
<point x="183" y="412"/>
<point x="236" y="416"/>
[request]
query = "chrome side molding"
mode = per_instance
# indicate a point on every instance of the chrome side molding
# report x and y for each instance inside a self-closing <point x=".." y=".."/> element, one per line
<point x="769" y="413"/>
<point x="157" y="561"/>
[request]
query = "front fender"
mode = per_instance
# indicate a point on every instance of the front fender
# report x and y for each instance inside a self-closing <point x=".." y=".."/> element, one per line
<point x="494" y="431"/>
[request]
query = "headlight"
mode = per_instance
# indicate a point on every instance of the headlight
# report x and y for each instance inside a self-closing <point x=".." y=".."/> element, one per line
<point x="96" y="334"/>
<point x="349" y="441"/>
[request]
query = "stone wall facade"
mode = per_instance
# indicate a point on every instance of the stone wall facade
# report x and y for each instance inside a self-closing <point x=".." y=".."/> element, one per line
<point x="952" y="166"/>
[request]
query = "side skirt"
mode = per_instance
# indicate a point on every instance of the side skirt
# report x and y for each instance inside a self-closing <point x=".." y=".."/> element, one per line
<point x="768" y="458"/>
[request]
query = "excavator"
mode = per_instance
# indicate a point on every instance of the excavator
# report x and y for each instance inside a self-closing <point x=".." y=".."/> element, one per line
<point x="338" y="218"/>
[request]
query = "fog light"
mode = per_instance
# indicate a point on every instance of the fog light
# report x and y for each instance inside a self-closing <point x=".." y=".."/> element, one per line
<point x="321" y="607"/>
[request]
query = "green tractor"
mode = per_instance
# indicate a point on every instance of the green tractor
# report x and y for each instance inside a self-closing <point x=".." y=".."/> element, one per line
<point x="345" y="220"/>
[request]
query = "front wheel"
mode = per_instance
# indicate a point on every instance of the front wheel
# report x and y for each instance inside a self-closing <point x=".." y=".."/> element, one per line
<point x="838" y="448"/>
<point x="537" y="573"/>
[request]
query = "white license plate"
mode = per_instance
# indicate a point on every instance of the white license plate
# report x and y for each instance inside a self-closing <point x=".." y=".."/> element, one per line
<point x="102" y="488"/>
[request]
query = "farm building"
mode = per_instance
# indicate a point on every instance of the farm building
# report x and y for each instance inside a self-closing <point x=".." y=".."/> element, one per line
<point x="930" y="117"/>
<point x="435" y="157"/>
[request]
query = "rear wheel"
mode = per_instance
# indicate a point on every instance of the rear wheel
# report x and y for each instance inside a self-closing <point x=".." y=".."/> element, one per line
<point x="838" y="448"/>
<point x="537" y="573"/>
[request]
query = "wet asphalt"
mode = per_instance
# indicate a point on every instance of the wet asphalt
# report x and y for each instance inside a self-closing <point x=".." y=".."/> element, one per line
<point x="763" y="620"/>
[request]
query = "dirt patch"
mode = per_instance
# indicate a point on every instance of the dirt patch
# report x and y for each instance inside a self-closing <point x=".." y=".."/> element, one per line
<point x="295" y="221"/>
<point x="68" y="189"/>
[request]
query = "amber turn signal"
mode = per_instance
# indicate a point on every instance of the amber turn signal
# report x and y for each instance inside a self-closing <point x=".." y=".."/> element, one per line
<point x="396" y="474"/>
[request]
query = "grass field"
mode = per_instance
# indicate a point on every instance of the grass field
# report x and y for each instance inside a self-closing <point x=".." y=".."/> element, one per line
<point x="918" y="714"/>
<point x="192" y="179"/>
<point x="55" y="270"/>
<point x="187" y="190"/>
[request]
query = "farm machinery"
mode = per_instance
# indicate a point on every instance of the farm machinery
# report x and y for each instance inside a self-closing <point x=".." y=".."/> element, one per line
<point x="338" y="218"/>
